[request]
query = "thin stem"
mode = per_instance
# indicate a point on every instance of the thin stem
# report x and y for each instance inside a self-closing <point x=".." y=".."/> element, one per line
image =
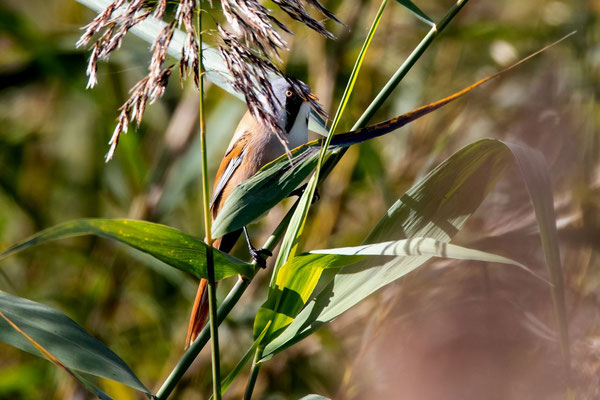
<point x="253" y="373"/>
<point x="240" y="287"/>
<point x="350" y="84"/>
<point x="210" y="267"/>
<point x="212" y="309"/>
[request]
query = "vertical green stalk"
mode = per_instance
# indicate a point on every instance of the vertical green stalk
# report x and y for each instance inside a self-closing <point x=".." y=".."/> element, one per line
<point x="253" y="373"/>
<point x="210" y="267"/>
<point x="351" y="82"/>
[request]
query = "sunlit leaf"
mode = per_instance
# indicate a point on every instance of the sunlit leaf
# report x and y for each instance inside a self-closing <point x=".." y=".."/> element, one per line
<point x="436" y="207"/>
<point x="264" y="190"/>
<point x="167" y="244"/>
<point x="302" y="275"/>
<point x="436" y="198"/>
<point x="63" y="339"/>
<point x="43" y="352"/>
<point x="422" y="246"/>
<point x="289" y="245"/>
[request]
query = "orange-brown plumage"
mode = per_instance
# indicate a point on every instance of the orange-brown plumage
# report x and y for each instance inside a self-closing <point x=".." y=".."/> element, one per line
<point x="252" y="159"/>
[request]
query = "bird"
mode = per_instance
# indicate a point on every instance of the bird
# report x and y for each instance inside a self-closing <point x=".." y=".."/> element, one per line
<point x="253" y="145"/>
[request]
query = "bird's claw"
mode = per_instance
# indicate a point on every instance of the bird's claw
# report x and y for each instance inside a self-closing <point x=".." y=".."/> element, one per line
<point x="260" y="256"/>
<point x="316" y="196"/>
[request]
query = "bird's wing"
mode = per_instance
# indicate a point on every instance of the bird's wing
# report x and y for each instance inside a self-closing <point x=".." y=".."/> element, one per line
<point x="232" y="160"/>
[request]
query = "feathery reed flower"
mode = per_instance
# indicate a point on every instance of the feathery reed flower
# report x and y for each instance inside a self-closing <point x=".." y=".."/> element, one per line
<point x="247" y="47"/>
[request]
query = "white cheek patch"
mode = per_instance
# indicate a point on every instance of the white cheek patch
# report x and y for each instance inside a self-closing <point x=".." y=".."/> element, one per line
<point x="299" y="133"/>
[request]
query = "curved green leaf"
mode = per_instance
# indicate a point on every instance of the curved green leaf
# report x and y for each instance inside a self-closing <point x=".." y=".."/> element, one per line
<point x="302" y="275"/>
<point x="273" y="183"/>
<point x="423" y="246"/>
<point x="63" y="339"/>
<point x="436" y="207"/>
<point x="167" y="244"/>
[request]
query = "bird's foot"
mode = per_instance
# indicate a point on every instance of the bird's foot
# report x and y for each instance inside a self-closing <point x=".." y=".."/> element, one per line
<point x="260" y="255"/>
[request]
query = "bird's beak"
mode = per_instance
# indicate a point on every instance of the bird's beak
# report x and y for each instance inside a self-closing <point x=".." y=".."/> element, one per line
<point x="313" y="97"/>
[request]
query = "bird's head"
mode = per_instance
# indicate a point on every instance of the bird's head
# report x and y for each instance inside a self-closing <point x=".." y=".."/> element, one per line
<point x="294" y="103"/>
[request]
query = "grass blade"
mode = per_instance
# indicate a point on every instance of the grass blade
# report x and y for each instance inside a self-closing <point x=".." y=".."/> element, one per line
<point x="265" y="313"/>
<point x="437" y="207"/>
<point x="535" y="175"/>
<point x="45" y="353"/>
<point x="169" y="245"/>
<point x="273" y="183"/>
<point x="303" y="273"/>
<point x="36" y="328"/>
<point x="423" y="246"/>
<point x="440" y="196"/>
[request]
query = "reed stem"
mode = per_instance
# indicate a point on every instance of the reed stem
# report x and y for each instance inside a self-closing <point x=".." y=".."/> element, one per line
<point x="210" y="267"/>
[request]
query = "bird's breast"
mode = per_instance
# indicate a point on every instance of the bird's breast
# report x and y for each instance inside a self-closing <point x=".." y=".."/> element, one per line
<point x="297" y="136"/>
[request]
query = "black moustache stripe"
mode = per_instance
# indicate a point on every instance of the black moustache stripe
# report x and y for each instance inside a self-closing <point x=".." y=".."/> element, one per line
<point x="292" y="107"/>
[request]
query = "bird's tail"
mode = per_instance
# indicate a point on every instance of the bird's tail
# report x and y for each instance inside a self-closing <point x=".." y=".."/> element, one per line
<point x="200" y="308"/>
<point x="199" y="313"/>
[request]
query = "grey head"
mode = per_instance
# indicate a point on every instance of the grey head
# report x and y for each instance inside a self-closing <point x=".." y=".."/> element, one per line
<point x="290" y="103"/>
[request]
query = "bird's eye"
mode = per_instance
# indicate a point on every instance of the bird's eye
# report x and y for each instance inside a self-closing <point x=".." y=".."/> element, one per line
<point x="289" y="93"/>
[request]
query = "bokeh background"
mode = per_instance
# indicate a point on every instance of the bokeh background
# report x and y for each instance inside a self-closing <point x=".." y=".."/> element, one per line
<point x="448" y="331"/>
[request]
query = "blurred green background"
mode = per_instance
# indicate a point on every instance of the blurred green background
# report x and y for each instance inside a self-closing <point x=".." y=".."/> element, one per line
<point x="449" y="331"/>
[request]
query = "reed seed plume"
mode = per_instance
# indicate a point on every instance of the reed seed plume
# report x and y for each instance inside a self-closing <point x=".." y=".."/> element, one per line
<point x="249" y="45"/>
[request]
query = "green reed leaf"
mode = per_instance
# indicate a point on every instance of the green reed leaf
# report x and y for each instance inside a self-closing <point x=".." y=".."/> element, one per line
<point x="436" y="207"/>
<point x="169" y="245"/>
<point x="60" y="337"/>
